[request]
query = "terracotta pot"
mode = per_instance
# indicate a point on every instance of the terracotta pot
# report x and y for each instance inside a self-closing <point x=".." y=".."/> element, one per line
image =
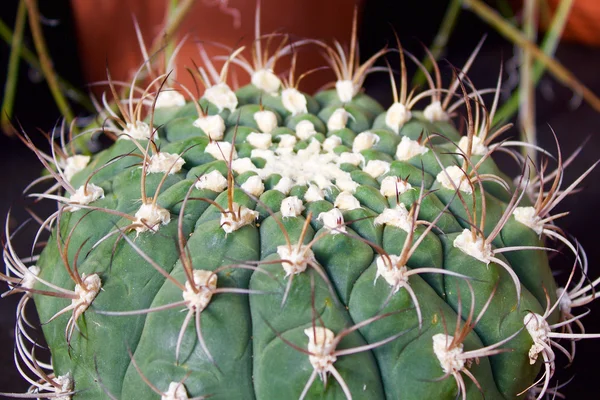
<point x="106" y="33"/>
<point x="583" y="24"/>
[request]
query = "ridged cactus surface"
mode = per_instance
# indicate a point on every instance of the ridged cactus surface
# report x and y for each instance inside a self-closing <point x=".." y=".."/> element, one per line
<point x="270" y="244"/>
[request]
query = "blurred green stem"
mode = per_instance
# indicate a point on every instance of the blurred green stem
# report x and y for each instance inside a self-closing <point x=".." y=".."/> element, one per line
<point x="12" y="74"/>
<point x="47" y="67"/>
<point x="526" y="84"/>
<point x="30" y="58"/>
<point x="549" y="45"/>
<point x="507" y="30"/>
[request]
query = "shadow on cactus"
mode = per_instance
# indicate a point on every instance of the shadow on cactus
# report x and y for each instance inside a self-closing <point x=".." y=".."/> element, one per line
<point x="265" y="243"/>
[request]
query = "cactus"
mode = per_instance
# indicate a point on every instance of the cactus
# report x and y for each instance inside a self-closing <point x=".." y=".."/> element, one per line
<point x="265" y="243"/>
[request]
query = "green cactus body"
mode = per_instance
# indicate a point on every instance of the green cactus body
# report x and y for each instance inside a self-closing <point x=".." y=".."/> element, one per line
<point x="275" y="245"/>
<point x="251" y="337"/>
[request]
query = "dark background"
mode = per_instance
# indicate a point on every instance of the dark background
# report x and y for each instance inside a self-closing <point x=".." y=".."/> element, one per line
<point x="412" y="20"/>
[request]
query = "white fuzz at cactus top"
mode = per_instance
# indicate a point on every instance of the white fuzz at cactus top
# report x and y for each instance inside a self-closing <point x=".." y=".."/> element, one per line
<point x="260" y="140"/>
<point x="176" y="391"/>
<point x="364" y="141"/>
<point x="296" y="258"/>
<point x="162" y="162"/>
<point x="168" y="98"/>
<point x="221" y="150"/>
<point x="475" y="247"/>
<point x="214" y="181"/>
<point x="86" y="293"/>
<point x="451" y="360"/>
<point x="266" y="80"/>
<point x="333" y="220"/>
<point x="266" y="120"/>
<point x="392" y="185"/>
<point x="376" y="168"/>
<point x="538" y="329"/>
<point x="528" y="217"/>
<point x="291" y="207"/>
<point x="85" y="195"/>
<point x="150" y="216"/>
<point x="398" y="217"/>
<point x="331" y="142"/>
<point x="313" y="193"/>
<point x="198" y="297"/>
<point x="294" y="101"/>
<point x="397" y="115"/>
<point x="305" y="129"/>
<point x="346" y="90"/>
<point x="338" y="119"/>
<point x="237" y="217"/>
<point x="478" y="147"/>
<point x="221" y="96"/>
<point x="286" y="143"/>
<point x="74" y="164"/>
<point x="320" y="344"/>
<point x="394" y="274"/>
<point x="308" y="165"/>
<point x="139" y="130"/>
<point x="408" y="148"/>
<point x="346" y="201"/>
<point x="434" y="112"/>
<point x="212" y="125"/>
<point x="351" y="158"/>
<point x="453" y="178"/>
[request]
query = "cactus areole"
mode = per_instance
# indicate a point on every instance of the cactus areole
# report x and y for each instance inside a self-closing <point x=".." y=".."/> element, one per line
<point x="263" y="243"/>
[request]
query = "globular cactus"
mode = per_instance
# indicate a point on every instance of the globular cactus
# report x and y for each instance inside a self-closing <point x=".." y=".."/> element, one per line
<point x="270" y="244"/>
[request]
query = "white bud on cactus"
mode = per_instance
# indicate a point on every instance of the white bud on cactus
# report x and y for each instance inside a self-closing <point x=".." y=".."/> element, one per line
<point x="364" y="141"/>
<point x="346" y="90"/>
<point x="397" y="115"/>
<point x="266" y="120"/>
<point x="266" y="80"/>
<point x="221" y="96"/>
<point x="85" y="195"/>
<point x="139" y="130"/>
<point x="294" y="101"/>
<point x="453" y="178"/>
<point x="338" y="119"/>
<point x="162" y="162"/>
<point x="254" y="185"/>
<point x="212" y="125"/>
<point x="259" y="140"/>
<point x="168" y="98"/>
<point x="434" y="112"/>
<point x="74" y="164"/>
<point x="291" y="207"/>
<point x="214" y="181"/>
<point x="408" y="148"/>
<point x="305" y="129"/>
<point x="221" y="150"/>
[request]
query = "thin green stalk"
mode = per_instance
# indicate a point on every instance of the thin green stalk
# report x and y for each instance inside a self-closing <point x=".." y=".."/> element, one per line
<point x="170" y="46"/>
<point x="48" y="69"/>
<point x="30" y="58"/>
<point x="12" y="75"/>
<point x="174" y="21"/>
<point x="507" y="30"/>
<point x="526" y="85"/>
<point x="549" y="45"/>
<point x="441" y="39"/>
